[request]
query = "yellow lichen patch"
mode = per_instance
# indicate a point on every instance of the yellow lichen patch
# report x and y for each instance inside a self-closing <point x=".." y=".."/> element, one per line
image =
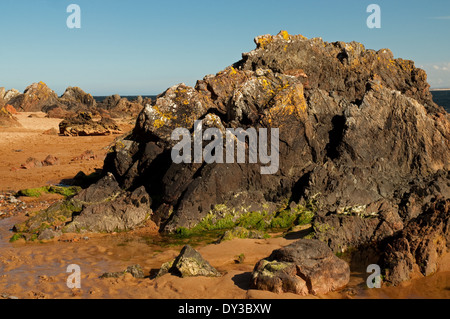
<point x="263" y="41"/>
<point x="180" y="90"/>
<point x="290" y="102"/>
<point x="158" y="123"/>
<point x="406" y="65"/>
<point x="119" y="145"/>
<point x="285" y="35"/>
<point x="162" y="117"/>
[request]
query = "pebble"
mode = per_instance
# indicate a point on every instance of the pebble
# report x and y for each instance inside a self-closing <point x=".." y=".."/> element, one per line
<point x="13" y="200"/>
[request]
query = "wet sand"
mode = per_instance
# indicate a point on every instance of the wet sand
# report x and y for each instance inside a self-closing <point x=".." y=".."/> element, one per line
<point x="38" y="270"/>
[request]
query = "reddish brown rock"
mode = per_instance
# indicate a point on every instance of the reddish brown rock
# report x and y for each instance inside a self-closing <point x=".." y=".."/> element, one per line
<point x="7" y="119"/>
<point x="11" y="109"/>
<point x="58" y="113"/>
<point x="304" y="267"/>
<point x="51" y="131"/>
<point x="86" y="156"/>
<point x="420" y="245"/>
<point x="76" y="99"/>
<point x="30" y="163"/>
<point x="50" y="161"/>
<point x="36" y="98"/>
<point x="117" y="106"/>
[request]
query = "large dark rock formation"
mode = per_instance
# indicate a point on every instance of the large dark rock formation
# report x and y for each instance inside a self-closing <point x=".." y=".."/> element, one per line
<point x="356" y="126"/>
<point x="358" y="132"/>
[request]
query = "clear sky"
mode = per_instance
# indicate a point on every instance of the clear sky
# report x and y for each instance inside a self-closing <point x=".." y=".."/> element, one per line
<point x="143" y="47"/>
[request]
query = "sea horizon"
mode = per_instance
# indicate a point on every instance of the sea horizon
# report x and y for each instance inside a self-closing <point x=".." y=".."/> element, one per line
<point x="440" y="96"/>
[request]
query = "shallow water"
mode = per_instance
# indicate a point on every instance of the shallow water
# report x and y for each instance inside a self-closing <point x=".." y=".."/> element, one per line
<point x="34" y="270"/>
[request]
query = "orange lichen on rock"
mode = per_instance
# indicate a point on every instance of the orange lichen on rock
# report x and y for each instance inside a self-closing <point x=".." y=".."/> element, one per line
<point x="264" y="40"/>
<point x="11" y="109"/>
<point x="287" y="103"/>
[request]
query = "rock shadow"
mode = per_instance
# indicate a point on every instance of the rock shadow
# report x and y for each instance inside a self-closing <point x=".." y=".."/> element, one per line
<point x="243" y="280"/>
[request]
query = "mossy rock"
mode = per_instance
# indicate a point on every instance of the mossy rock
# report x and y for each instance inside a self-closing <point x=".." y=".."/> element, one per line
<point x="56" y="215"/>
<point x="189" y="263"/>
<point x="62" y="190"/>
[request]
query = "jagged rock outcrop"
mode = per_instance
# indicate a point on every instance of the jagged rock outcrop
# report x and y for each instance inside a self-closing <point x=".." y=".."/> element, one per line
<point x="76" y="99"/>
<point x="11" y="109"/>
<point x="117" y="106"/>
<point x="5" y="97"/>
<point x="326" y="99"/>
<point x="36" y="98"/>
<point x="304" y="267"/>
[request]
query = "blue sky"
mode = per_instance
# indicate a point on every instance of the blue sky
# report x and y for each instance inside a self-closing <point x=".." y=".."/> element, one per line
<point x="143" y="47"/>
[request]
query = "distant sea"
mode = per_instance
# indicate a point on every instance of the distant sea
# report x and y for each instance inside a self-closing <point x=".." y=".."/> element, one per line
<point x="441" y="98"/>
<point x="129" y="97"/>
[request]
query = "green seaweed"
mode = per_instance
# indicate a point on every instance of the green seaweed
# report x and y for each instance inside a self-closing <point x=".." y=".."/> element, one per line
<point x="16" y="237"/>
<point x="66" y="191"/>
<point x="221" y="219"/>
